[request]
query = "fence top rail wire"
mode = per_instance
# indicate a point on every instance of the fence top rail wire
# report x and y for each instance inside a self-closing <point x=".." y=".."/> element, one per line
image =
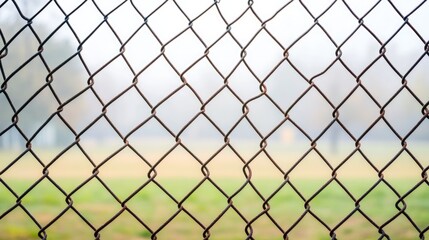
<point x="203" y="40"/>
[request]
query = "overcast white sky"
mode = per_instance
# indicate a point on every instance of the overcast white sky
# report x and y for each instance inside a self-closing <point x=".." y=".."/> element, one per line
<point x="290" y="23"/>
<point x="311" y="55"/>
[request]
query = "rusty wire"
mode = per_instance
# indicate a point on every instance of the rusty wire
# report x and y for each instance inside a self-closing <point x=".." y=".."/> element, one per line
<point x="205" y="172"/>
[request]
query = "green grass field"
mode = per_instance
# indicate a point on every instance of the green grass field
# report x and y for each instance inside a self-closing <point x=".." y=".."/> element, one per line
<point x="179" y="174"/>
<point x="154" y="207"/>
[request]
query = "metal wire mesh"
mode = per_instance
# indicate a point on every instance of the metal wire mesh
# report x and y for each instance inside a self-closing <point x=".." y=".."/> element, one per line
<point x="262" y="27"/>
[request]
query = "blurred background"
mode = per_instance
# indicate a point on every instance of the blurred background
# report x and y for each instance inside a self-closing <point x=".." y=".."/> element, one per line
<point x="114" y="63"/>
<point x="311" y="55"/>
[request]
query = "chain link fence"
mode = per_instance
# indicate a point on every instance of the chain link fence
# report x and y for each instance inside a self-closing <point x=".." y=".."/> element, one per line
<point x="35" y="97"/>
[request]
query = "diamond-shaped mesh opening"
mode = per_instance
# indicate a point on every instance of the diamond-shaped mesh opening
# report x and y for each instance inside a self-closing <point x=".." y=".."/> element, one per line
<point x="263" y="47"/>
<point x="212" y="18"/>
<point x="202" y="129"/>
<point x="230" y="221"/>
<point x="92" y="19"/>
<point x="266" y="177"/>
<point x="161" y="206"/>
<point x="17" y="55"/>
<point x="191" y="9"/>
<point x="206" y="196"/>
<point x="355" y="121"/>
<point x="109" y="83"/>
<point x="416" y="18"/>
<point x="93" y="47"/>
<point x="204" y="79"/>
<point x="243" y="77"/>
<point x="355" y="227"/>
<point x="166" y="171"/>
<point x="263" y="228"/>
<point x="314" y="45"/>
<point x="182" y="226"/>
<point x="168" y="28"/>
<point x="82" y="110"/>
<point x="310" y="174"/>
<point x="360" y="50"/>
<point x="382" y="149"/>
<point x="49" y="13"/>
<point x="38" y="110"/>
<point x="248" y="202"/>
<point x="331" y="145"/>
<point x="226" y="171"/>
<point x="337" y="82"/>
<point x="18" y="224"/>
<point x="379" y="204"/>
<point x="96" y="149"/>
<point x="372" y="81"/>
<point x="322" y="205"/>
<point x="401" y="228"/>
<point x="127" y="118"/>
<point x="44" y="207"/>
<point x="93" y="193"/>
<point x="141" y="48"/>
<point x="225" y="54"/>
<point x="213" y="119"/>
<point x="55" y="132"/>
<point x="417" y="81"/>
<point x="245" y="28"/>
<point x="224" y="102"/>
<point x="8" y="199"/>
<point x="417" y="149"/>
<point x="125" y="167"/>
<point x="184" y="51"/>
<point x="56" y="230"/>
<point x="329" y="22"/>
<point x="261" y="107"/>
<point x="160" y="76"/>
<point x="356" y="167"/>
<point x="384" y="19"/>
<point x="185" y="106"/>
<point x="245" y="140"/>
<point x="285" y="85"/>
<point x="66" y="85"/>
<point x="24" y="167"/>
<point x="286" y="214"/>
<point x="408" y="48"/>
<point x="417" y="209"/>
<point x="302" y="230"/>
<point x="312" y="122"/>
<point x="403" y="167"/>
<point x="151" y="140"/>
<point x="286" y="146"/>
<point x="26" y="82"/>
<point x="133" y="228"/>
<point x="295" y="19"/>
<point x="78" y="169"/>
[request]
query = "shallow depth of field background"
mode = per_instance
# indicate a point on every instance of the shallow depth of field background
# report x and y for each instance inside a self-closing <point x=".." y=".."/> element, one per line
<point x="124" y="171"/>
